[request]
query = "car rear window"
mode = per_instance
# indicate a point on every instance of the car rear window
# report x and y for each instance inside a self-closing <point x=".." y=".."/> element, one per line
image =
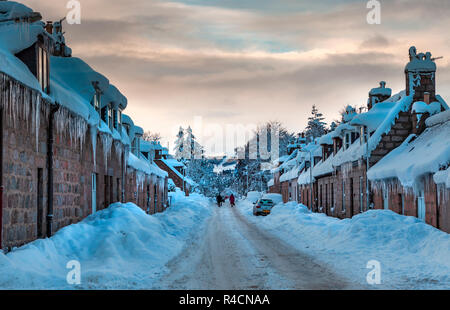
<point x="266" y="201"/>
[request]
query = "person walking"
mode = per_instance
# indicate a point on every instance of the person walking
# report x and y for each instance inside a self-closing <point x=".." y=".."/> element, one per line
<point x="232" y="201"/>
<point x="219" y="200"/>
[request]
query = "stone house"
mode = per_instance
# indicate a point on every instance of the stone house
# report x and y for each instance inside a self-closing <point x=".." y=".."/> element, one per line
<point x="352" y="177"/>
<point x="64" y="151"/>
<point x="175" y="169"/>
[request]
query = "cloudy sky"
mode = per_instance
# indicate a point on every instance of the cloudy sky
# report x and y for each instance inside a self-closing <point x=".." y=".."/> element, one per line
<point x="248" y="61"/>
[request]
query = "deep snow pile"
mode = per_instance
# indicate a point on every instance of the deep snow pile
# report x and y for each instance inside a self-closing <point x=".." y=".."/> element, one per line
<point x="118" y="248"/>
<point x="412" y="254"/>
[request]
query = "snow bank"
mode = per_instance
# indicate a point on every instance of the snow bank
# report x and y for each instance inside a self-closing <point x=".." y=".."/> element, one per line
<point x="412" y="254"/>
<point x="118" y="248"/>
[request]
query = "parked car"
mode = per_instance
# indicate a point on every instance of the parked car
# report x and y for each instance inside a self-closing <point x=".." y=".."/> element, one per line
<point x="264" y="205"/>
<point x="276" y="198"/>
<point x="253" y="197"/>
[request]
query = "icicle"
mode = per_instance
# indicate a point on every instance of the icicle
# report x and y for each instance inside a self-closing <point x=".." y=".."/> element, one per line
<point x="93" y="131"/>
<point x="118" y="148"/>
<point x="37" y="107"/>
<point x="107" y="141"/>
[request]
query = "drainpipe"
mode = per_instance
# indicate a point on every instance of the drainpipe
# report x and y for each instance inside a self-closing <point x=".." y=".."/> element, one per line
<point x="50" y="142"/>
<point x="1" y="176"/>
<point x="366" y="133"/>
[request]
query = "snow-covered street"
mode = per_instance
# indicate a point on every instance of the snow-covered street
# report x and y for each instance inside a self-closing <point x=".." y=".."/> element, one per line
<point x="412" y="254"/>
<point x="196" y="245"/>
<point x="237" y="254"/>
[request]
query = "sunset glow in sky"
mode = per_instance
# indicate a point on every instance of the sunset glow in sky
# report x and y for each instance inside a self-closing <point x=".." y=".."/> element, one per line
<point x="249" y="61"/>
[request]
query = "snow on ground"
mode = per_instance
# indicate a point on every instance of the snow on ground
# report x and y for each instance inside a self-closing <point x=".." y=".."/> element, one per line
<point x="118" y="248"/>
<point x="413" y="255"/>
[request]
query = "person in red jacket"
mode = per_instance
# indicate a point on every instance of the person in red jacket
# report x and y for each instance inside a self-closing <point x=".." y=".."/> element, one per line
<point x="232" y="200"/>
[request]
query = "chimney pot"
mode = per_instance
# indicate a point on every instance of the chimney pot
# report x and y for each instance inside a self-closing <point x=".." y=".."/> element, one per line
<point x="49" y="27"/>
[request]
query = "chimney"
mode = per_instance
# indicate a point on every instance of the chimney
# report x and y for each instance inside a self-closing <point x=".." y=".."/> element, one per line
<point x="49" y="27"/>
<point x="426" y="98"/>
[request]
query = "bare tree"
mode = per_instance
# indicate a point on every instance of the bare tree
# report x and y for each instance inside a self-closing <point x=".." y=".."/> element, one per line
<point x="152" y="136"/>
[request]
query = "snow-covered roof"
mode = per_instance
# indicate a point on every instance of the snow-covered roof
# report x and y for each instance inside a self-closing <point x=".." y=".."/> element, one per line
<point x="174" y="163"/>
<point x="324" y="167"/>
<point x="15" y="38"/>
<point x="381" y="91"/>
<point x="287" y="163"/>
<point x="373" y="118"/>
<point x="420" y="62"/>
<point x="168" y="163"/>
<point x="12" y="10"/>
<point x="305" y="178"/>
<point x="127" y="120"/>
<point x="386" y="116"/>
<point x="326" y="139"/>
<point x="341" y="129"/>
<point x="271" y="183"/>
<point x="293" y="173"/>
<point x="114" y="96"/>
<point x="428" y="153"/>
<point x="144" y="166"/>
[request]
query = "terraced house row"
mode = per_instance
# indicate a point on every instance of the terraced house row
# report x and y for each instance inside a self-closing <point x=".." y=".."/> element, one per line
<point x="395" y="155"/>
<point x="67" y="148"/>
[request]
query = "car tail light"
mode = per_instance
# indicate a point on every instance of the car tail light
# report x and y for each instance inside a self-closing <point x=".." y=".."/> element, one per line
<point x="258" y="207"/>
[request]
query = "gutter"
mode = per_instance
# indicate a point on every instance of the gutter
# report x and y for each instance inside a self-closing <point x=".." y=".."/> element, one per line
<point x="50" y="143"/>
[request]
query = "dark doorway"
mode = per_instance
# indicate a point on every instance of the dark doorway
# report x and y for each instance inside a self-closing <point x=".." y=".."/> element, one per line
<point x="40" y="202"/>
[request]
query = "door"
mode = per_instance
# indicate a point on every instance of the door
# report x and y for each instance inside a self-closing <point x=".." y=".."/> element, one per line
<point x="421" y="206"/>
<point x="40" y="202"/>
<point x="94" y="193"/>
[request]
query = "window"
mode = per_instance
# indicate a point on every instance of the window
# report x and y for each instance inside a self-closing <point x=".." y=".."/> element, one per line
<point x="347" y="140"/>
<point x="326" y="195"/>
<point x="104" y="115"/>
<point x="343" y="197"/>
<point x="42" y="69"/>
<point x="116" y="119"/>
<point x="363" y="134"/>
<point x="96" y="101"/>
<point x="110" y="118"/>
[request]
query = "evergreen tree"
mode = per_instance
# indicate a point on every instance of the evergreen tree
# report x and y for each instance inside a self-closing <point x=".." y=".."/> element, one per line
<point x="316" y="125"/>
<point x="192" y="149"/>
<point x="179" y="145"/>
